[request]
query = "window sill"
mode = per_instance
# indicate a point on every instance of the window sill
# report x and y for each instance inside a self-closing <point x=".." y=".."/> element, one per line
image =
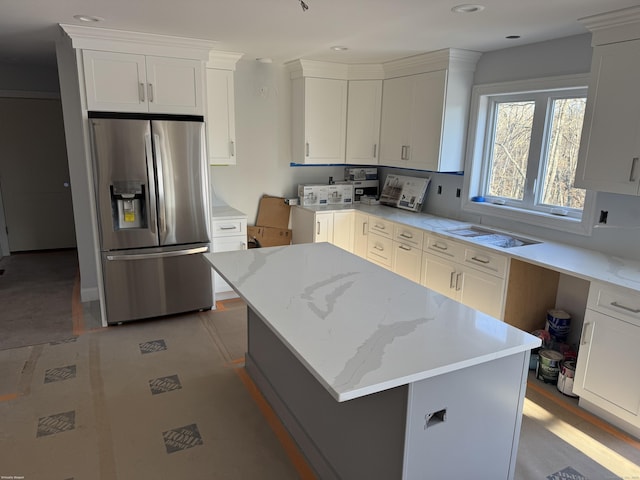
<point x="541" y="219"/>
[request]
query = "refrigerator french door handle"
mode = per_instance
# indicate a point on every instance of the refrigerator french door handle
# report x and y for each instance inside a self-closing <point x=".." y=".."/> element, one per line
<point x="172" y="253"/>
<point x="151" y="195"/>
<point x="162" y="209"/>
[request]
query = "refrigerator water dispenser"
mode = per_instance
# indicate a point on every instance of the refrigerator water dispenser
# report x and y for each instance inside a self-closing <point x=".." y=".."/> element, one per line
<point x="127" y="200"/>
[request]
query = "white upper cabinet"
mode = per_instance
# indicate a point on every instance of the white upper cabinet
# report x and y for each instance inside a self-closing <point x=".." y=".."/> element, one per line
<point x="125" y="82"/>
<point x="364" y="106"/>
<point x="220" y="117"/>
<point x="412" y="121"/>
<point x="609" y="156"/>
<point x="610" y="144"/>
<point x="425" y="109"/>
<point x="319" y="120"/>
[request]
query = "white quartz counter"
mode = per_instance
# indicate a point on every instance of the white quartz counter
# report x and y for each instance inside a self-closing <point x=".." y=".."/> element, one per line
<point x="358" y="328"/>
<point x="579" y="262"/>
<point x="225" y="211"/>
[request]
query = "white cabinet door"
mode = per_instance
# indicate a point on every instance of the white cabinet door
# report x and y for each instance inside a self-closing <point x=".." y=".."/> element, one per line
<point x="439" y="275"/>
<point x="123" y="82"/>
<point x="175" y="85"/>
<point x="360" y="234"/>
<point x="319" y="120"/>
<point x="607" y="364"/>
<point x="220" y="117"/>
<point x="481" y="291"/>
<point x="323" y="227"/>
<point x="364" y="109"/>
<point x="610" y="144"/>
<point x="226" y="244"/>
<point x="115" y="81"/>
<point x="396" y="121"/>
<point x="426" y="120"/>
<point x="343" y="227"/>
<point x="407" y="261"/>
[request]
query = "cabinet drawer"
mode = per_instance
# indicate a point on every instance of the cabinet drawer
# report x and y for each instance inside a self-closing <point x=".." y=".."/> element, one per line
<point x="486" y="261"/>
<point x="380" y="250"/>
<point x="234" y="226"/>
<point x="443" y="248"/>
<point x="381" y="227"/>
<point x="617" y="302"/>
<point x="408" y="236"/>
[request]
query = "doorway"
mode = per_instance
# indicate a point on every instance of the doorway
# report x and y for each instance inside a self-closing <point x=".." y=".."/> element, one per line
<point x="37" y="212"/>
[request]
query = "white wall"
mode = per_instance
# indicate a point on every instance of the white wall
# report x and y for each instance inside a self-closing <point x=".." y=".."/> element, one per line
<point x="263" y="142"/>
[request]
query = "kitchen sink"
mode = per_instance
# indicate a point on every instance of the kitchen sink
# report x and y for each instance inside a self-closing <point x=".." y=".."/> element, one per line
<point x="494" y="238"/>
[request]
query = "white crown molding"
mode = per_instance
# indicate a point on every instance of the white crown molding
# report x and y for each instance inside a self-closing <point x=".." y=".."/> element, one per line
<point x="450" y="58"/>
<point x="105" y="39"/>
<point x="455" y="60"/>
<point x="223" y="60"/>
<point x="613" y="27"/>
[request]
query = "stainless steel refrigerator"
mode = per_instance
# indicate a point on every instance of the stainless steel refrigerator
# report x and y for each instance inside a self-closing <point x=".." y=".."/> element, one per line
<point x="151" y="194"/>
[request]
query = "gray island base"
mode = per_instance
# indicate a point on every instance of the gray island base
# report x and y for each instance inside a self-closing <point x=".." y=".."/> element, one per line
<point x="377" y="377"/>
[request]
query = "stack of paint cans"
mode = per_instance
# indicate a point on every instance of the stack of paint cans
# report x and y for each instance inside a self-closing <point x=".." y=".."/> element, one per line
<point x="558" y="325"/>
<point x="549" y="363"/>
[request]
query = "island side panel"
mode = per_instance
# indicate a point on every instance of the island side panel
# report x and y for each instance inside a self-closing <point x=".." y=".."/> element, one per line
<point x="360" y="438"/>
<point x="478" y="437"/>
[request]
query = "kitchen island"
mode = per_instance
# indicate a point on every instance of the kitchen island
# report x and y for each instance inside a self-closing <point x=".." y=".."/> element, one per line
<point x="375" y="376"/>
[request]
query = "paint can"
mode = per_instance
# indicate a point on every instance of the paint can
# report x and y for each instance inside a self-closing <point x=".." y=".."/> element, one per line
<point x="549" y="362"/>
<point x="558" y="324"/>
<point x="565" y="377"/>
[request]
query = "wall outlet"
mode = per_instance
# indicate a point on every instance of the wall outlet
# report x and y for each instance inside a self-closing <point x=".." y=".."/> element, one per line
<point x="439" y="189"/>
<point x="603" y="216"/>
<point x="458" y="192"/>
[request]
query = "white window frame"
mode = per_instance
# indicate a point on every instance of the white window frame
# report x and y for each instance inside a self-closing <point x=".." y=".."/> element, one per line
<point x="480" y="122"/>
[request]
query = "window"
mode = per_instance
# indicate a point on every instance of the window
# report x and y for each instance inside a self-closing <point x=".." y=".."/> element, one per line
<point x="523" y="156"/>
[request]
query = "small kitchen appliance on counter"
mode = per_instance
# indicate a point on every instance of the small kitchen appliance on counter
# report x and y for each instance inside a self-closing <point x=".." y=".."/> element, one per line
<point x="404" y="192"/>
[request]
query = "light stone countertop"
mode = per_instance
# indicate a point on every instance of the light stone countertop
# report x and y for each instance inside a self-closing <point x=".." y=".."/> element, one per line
<point x="359" y="328"/>
<point x="575" y="261"/>
<point x="225" y="211"/>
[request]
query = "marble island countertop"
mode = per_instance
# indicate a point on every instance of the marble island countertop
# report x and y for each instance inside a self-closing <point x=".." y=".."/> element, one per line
<point x="358" y="328"/>
<point x="579" y="262"/>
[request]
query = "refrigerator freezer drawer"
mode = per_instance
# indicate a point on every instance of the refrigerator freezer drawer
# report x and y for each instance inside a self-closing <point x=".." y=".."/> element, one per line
<point x="149" y="283"/>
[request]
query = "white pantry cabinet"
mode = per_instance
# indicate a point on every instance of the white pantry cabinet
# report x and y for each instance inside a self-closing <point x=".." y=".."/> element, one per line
<point x="127" y="82"/>
<point x="608" y="357"/>
<point x="220" y="117"/>
<point x="364" y="105"/>
<point x="319" y="115"/>
<point x="609" y="156"/>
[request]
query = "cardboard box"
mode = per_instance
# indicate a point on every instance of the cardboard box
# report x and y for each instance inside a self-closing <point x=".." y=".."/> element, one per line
<point x="272" y="222"/>
<point x="340" y="194"/>
<point x="273" y="212"/>
<point x="313" y="195"/>
<point x="370" y="173"/>
<point x="269" y="236"/>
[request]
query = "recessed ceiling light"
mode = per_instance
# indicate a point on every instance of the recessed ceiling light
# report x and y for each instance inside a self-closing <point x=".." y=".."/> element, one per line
<point x="264" y="60"/>
<point x="339" y="48"/>
<point x="512" y="37"/>
<point x="468" y="8"/>
<point x="88" y="18"/>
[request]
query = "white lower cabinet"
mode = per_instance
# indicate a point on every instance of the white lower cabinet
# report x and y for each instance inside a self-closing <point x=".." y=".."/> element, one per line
<point x="360" y="234"/>
<point x="336" y="227"/>
<point x="227" y="234"/>
<point x="380" y="242"/>
<point x="447" y="269"/>
<point x="407" y="252"/>
<point x="608" y="355"/>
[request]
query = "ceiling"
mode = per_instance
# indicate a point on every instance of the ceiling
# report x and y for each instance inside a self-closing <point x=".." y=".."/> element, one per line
<point x="373" y="30"/>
